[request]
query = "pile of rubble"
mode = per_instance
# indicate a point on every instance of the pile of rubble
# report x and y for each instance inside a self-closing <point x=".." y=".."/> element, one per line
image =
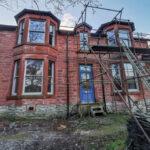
<point x="136" y="139"/>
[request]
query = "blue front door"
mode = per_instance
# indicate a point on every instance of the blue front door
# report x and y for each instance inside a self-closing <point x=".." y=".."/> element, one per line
<point x="86" y="84"/>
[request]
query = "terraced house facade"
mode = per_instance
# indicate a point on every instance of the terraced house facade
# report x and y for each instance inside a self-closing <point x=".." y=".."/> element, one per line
<point x="47" y="72"/>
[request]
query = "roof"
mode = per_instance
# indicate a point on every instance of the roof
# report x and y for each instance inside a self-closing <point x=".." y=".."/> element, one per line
<point x="83" y="24"/>
<point x="121" y="22"/>
<point x="36" y="12"/>
<point x="7" y="27"/>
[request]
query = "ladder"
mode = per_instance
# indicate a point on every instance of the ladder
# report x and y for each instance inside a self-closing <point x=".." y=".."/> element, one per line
<point x="140" y="70"/>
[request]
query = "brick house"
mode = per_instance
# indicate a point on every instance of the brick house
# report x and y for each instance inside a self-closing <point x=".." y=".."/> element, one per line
<point x="42" y="68"/>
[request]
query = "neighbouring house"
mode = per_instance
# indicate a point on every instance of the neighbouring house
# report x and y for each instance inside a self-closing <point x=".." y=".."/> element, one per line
<point x="47" y="72"/>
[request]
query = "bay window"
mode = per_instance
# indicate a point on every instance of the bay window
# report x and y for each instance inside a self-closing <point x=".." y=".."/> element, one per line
<point x="111" y="38"/>
<point x="36" y="31"/>
<point x="84" y="41"/>
<point x="33" y="77"/>
<point x="116" y="74"/>
<point x="52" y="34"/>
<point x="132" y="82"/>
<point x="21" y="32"/>
<point x="50" y="77"/>
<point x="124" y="37"/>
<point x="16" y="78"/>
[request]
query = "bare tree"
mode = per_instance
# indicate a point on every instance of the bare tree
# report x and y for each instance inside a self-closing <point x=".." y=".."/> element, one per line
<point x="56" y="5"/>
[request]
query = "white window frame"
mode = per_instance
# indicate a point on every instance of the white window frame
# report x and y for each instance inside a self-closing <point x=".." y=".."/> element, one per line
<point x="36" y="31"/>
<point x="126" y="39"/>
<point x="136" y="81"/>
<point x="85" y="47"/>
<point x="33" y="93"/>
<point x="14" y="79"/>
<point x="119" y="77"/>
<point x="52" y="80"/>
<point x="53" y="35"/>
<point x="21" y="32"/>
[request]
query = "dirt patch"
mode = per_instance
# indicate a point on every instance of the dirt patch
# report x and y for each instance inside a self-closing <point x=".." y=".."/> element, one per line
<point x="75" y="134"/>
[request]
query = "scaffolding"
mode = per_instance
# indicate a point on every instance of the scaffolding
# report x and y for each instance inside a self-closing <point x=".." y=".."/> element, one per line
<point x="123" y="48"/>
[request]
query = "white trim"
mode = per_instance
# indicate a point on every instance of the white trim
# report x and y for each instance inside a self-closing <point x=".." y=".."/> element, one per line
<point x="136" y="81"/>
<point x="33" y="93"/>
<point x="52" y="81"/>
<point x="14" y="81"/>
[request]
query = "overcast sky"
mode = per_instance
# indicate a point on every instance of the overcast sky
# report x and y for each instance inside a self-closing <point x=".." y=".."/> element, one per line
<point x="137" y="11"/>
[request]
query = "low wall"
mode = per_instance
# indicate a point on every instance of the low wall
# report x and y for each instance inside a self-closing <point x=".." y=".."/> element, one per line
<point x="38" y="112"/>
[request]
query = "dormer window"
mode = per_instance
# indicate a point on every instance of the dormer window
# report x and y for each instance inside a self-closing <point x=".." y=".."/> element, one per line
<point x="36" y="31"/>
<point x="124" y="37"/>
<point x="111" y="38"/>
<point x="52" y="34"/>
<point x="21" y="31"/>
<point x="84" y="41"/>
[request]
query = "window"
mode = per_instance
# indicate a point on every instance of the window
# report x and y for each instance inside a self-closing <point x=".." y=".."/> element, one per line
<point x="84" y="41"/>
<point x="33" y="78"/>
<point x="132" y="82"/>
<point x="16" y="78"/>
<point x="36" y="31"/>
<point x="124" y="37"/>
<point x="116" y="74"/>
<point x="52" y="34"/>
<point x="50" y="77"/>
<point x="111" y="38"/>
<point x="21" y="31"/>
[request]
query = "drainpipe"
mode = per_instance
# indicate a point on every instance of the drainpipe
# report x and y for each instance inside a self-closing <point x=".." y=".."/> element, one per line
<point x="67" y="61"/>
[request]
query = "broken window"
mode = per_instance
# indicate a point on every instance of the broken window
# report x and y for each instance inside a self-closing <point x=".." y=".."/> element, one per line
<point x="52" y="34"/>
<point x="84" y="41"/>
<point x="124" y="37"/>
<point x="21" y="31"/>
<point x="132" y="82"/>
<point x="16" y="78"/>
<point x="36" y="31"/>
<point x="33" y="79"/>
<point x="111" y="38"/>
<point x="116" y="74"/>
<point x="50" y="77"/>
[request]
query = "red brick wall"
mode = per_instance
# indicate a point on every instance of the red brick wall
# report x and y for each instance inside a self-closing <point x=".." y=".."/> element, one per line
<point x="57" y="54"/>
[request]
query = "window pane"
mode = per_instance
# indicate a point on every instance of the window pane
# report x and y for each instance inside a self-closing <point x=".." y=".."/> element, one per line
<point x="124" y="37"/>
<point x="124" y="34"/>
<point x="37" y="25"/>
<point x="116" y="75"/>
<point x="86" y="82"/>
<point x="33" y="84"/>
<point x="83" y="41"/>
<point x="52" y="34"/>
<point x="50" y="77"/>
<point x="33" y="76"/>
<point x="37" y="37"/>
<point x="16" y="84"/>
<point x="21" y="30"/>
<point x="132" y="82"/>
<point x="34" y="67"/>
<point x="111" y="38"/>
<point x="85" y="68"/>
<point x="16" y="78"/>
